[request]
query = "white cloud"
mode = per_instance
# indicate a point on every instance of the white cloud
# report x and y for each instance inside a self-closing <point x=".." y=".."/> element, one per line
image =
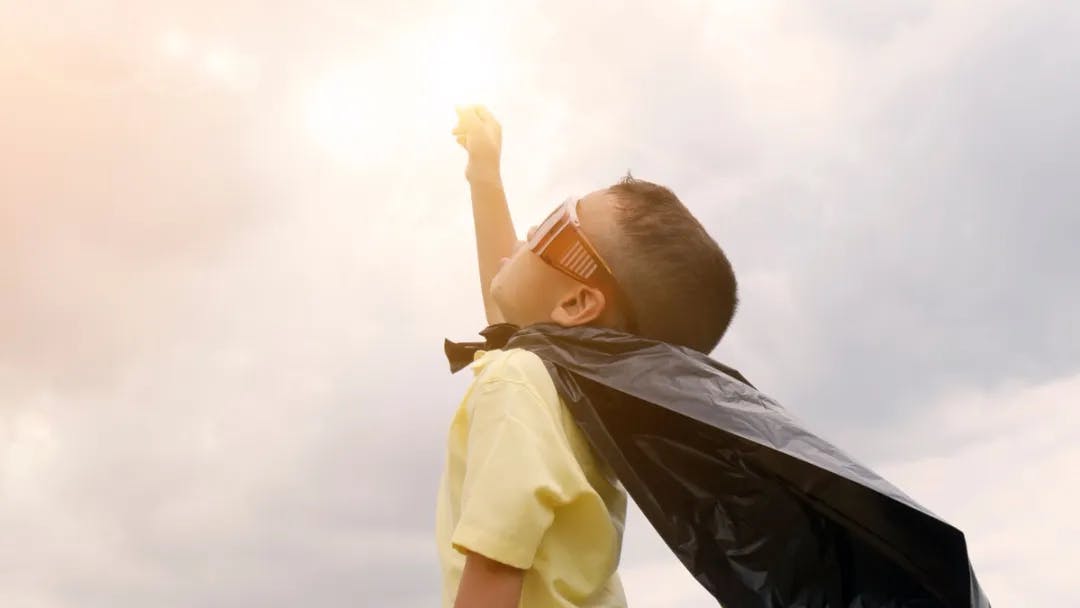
<point x="662" y="584"/>
<point x="1002" y="467"/>
<point x="651" y="575"/>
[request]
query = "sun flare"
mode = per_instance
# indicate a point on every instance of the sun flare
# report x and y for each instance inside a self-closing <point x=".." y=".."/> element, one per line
<point x="405" y="87"/>
<point x="460" y="66"/>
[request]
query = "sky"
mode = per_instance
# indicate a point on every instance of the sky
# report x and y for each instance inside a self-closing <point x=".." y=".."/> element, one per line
<point x="233" y="238"/>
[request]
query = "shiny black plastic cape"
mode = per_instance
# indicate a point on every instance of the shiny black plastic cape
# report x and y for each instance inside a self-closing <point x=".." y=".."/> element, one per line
<point x="761" y="511"/>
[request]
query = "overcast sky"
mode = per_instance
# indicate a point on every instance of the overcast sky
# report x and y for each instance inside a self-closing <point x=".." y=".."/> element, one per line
<point x="232" y="239"/>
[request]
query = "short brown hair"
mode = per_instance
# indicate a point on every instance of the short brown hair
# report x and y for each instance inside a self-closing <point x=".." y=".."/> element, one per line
<point x="679" y="281"/>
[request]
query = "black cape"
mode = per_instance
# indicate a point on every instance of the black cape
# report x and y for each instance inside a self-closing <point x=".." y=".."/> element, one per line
<point x="761" y="511"/>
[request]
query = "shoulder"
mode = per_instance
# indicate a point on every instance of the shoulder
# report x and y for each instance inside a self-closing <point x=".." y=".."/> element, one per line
<point x="514" y="364"/>
<point x="515" y="370"/>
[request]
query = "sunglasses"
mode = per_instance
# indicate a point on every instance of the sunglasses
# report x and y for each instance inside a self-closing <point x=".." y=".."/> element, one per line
<point x="560" y="242"/>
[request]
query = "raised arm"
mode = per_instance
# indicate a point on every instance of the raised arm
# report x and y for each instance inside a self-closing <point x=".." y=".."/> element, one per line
<point x="481" y="135"/>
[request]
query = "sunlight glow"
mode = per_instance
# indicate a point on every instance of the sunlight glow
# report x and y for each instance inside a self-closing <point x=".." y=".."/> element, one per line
<point x="175" y="44"/>
<point x="342" y="115"/>
<point x="409" y="86"/>
<point x="460" y="63"/>
<point x="221" y="64"/>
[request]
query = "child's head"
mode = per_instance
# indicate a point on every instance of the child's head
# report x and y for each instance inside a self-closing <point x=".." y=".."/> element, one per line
<point x="678" y="281"/>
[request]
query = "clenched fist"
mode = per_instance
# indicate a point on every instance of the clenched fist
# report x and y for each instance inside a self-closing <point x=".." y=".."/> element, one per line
<point x="481" y="135"/>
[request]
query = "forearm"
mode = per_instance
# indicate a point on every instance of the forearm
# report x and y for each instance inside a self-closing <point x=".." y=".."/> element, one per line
<point x="495" y="236"/>
<point x="486" y="583"/>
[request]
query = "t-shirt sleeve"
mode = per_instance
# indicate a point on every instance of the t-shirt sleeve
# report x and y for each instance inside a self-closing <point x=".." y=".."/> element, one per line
<point x="518" y="470"/>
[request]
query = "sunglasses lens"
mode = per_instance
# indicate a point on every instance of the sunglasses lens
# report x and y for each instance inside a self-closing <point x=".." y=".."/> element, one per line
<point x="546" y="226"/>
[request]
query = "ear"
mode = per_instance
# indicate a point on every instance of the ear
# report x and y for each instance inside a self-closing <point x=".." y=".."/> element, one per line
<point x="580" y="305"/>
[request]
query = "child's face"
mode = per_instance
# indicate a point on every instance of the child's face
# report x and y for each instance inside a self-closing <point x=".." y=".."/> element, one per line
<point x="527" y="290"/>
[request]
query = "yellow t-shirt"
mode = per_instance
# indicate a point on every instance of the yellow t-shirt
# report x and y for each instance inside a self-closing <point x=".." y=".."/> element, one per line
<point x="522" y="487"/>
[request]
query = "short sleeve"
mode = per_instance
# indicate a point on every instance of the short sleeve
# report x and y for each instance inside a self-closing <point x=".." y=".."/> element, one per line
<point x="518" y="470"/>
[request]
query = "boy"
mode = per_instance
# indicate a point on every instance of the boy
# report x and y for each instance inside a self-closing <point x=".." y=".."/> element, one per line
<point x="528" y="515"/>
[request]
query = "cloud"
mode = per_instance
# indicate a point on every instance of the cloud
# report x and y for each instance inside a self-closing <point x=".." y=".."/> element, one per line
<point x="220" y="374"/>
<point x="1001" y="467"/>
